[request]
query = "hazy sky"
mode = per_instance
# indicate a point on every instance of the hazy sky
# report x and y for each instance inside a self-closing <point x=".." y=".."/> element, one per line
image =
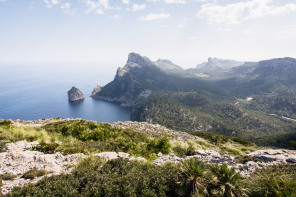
<point x="184" y="31"/>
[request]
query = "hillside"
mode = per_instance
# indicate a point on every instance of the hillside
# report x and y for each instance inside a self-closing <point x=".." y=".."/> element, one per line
<point x="74" y="157"/>
<point x="255" y="101"/>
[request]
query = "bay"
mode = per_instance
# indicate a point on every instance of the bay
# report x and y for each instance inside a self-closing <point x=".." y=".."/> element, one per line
<point x="31" y="92"/>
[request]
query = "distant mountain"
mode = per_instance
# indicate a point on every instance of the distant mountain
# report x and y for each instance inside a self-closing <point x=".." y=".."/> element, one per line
<point x="218" y="64"/>
<point x="184" y="100"/>
<point x="167" y="65"/>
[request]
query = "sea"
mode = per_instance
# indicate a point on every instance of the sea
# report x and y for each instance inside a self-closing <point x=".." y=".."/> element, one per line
<point x="32" y="92"/>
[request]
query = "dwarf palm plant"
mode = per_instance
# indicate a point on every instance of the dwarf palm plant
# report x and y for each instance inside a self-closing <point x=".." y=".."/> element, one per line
<point x="197" y="176"/>
<point x="227" y="180"/>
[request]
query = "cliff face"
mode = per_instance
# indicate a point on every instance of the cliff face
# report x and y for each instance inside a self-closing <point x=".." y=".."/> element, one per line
<point x="96" y="90"/>
<point x="75" y="94"/>
<point x="131" y="81"/>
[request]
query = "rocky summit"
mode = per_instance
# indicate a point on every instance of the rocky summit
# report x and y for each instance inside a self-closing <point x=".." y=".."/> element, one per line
<point x="75" y="94"/>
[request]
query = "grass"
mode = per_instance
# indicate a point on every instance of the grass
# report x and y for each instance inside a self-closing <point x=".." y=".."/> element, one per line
<point x="278" y="180"/>
<point x="81" y="136"/>
<point x="34" y="173"/>
<point x="8" y="176"/>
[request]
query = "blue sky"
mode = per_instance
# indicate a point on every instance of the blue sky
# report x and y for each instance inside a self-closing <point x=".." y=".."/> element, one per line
<point x="184" y="31"/>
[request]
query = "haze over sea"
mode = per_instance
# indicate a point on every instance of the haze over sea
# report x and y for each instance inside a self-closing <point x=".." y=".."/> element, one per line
<point x="30" y="92"/>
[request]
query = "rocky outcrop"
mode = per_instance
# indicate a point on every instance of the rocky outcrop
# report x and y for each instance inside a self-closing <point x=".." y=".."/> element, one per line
<point x="220" y="64"/>
<point x="280" y="155"/>
<point x="115" y="155"/>
<point x="246" y="169"/>
<point x="130" y="81"/>
<point x="96" y="90"/>
<point x="155" y="130"/>
<point x="167" y="65"/>
<point x="75" y="94"/>
<point x="20" y="158"/>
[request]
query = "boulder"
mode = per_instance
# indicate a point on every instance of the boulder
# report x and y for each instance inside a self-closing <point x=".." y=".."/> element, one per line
<point x="291" y="160"/>
<point x="107" y="155"/>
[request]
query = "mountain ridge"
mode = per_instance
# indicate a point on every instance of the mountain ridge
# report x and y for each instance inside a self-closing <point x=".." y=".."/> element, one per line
<point x="181" y="99"/>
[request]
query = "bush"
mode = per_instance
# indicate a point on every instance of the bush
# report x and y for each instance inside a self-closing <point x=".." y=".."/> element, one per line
<point x="243" y="142"/>
<point x="190" y="150"/>
<point x="227" y="180"/>
<point x="197" y="177"/>
<point x="159" y="145"/>
<point x="213" y="138"/>
<point x="2" y="146"/>
<point x="118" y="177"/>
<point x="293" y="145"/>
<point x="8" y="176"/>
<point x="179" y="151"/>
<point x="34" y="173"/>
<point x="245" y="158"/>
<point x="275" y="180"/>
<point x="5" y="123"/>
<point x="47" y="148"/>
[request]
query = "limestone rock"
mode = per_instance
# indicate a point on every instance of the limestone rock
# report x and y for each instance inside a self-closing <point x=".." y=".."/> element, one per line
<point x="107" y="155"/>
<point x="96" y="90"/>
<point x="75" y="94"/>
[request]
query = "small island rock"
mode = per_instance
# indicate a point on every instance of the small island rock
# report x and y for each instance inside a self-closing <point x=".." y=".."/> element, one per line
<point x="75" y="94"/>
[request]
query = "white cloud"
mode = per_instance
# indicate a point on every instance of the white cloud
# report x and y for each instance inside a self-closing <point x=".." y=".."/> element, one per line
<point x="50" y="3"/>
<point x="182" y="25"/>
<point x="125" y="1"/>
<point x="98" y="6"/>
<point x="236" y="12"/>
<point x="2" y="0"/>
<point x="169" y="1"/>
<point x="66" y="7"/>
<point x="137" y="7"/>
<point x="175" y="1"/>
<point x="151" y="17"/>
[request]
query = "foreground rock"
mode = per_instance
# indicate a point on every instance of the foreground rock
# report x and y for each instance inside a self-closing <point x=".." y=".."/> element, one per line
<point x="19" y="159"/>
<point x="75" y="94"/>
<point x="267" y="158"/>
<point x="280" y="155"/>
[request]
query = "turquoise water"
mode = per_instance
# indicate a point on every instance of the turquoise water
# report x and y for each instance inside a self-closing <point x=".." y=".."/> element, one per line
<point x="35" y="92"/>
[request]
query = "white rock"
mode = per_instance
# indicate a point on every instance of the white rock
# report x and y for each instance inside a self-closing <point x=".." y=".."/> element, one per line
<point x="107" y="155"/>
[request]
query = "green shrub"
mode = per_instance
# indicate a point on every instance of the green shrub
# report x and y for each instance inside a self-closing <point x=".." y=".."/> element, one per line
<point x="8" y="176"/>
<point x="159" y="145"/>
<point x="34" y="173"/>
<point x="278" y="180"/>
<point x="2" y="146"/>
<point x="213" y="138"/>
<point x="5" y="123"/>
<point x="293" y="145"/>
<point x="47" y="148"/>
<point x="227" y="180"/>
<point x="245" y="158"/>
<point x="190" y="150"/>
<point x="243" y="142"/>
<point x="179" y="151"/>
<point x="118" y="177"/>
<point x="197" y="177"/>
